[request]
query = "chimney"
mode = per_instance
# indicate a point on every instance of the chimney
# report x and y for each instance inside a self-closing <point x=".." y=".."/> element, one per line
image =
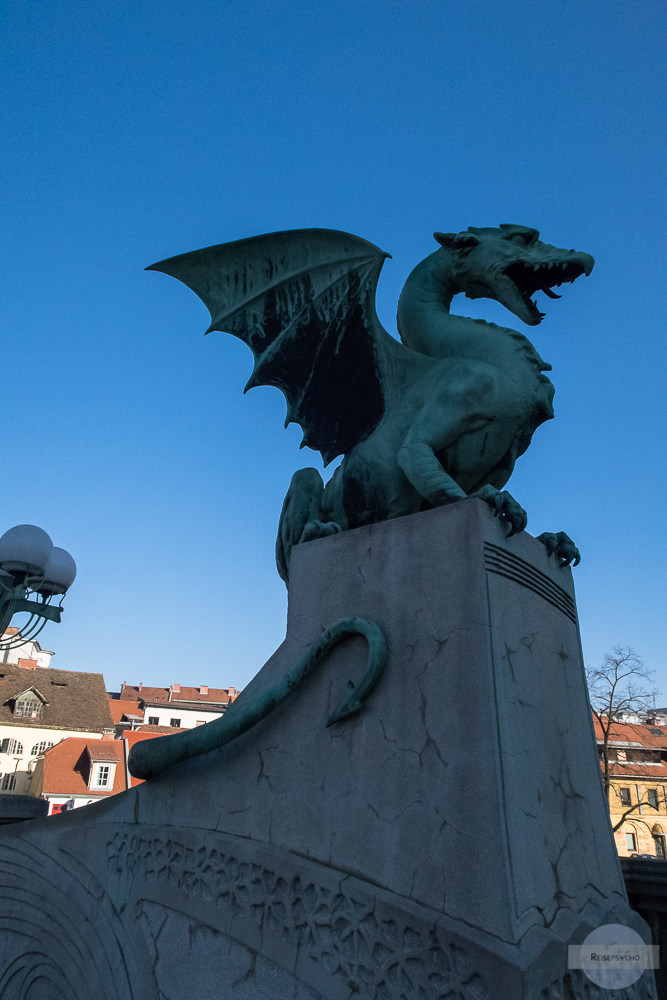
<point x="27" y="664"/>
<point x="141" y="684"/>
<point x="176" y="688"/>
<point x="232" y="693"/>
<point x="203" y="690"/>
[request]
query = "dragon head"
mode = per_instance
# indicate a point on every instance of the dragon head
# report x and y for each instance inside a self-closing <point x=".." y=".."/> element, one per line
<point x="509" y="264"/>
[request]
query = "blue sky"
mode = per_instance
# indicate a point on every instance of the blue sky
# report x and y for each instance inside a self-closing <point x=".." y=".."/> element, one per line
<point x="133" y="132"/>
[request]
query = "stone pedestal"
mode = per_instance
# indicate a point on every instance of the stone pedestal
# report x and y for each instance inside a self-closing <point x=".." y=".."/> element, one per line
<point x="448" y="841"/>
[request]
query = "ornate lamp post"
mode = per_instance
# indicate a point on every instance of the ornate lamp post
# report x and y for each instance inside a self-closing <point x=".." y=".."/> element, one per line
<point x="32" y="572"/>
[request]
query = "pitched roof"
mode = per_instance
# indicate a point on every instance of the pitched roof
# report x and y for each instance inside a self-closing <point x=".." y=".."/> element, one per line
<point x="102" y="751"/>
<point x="218" y="695"/>
<point x="143" y="693"/>
<point x="67" y="767"/>
<point x="120" y="710"/>
<point x="634" y="734"/>
<point x="221" y="696"/>
<point x="656" y="771"/>
<point x="74" y="699"/>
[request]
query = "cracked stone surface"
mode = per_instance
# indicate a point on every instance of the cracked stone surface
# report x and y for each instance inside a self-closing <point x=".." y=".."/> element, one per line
<point x="449" y="840"/>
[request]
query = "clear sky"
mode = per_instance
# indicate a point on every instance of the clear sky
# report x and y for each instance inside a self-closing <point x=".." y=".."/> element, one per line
<point x="135" y="131"/>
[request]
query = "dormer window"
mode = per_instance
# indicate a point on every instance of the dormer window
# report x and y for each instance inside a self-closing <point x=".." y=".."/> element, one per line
<point x="102" y="775"/>
<point x="28" y="706"/>
<point x="102" y="760"/>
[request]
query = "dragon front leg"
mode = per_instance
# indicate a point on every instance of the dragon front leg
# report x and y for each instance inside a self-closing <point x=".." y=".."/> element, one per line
<point x="503" y="503"/>
<point x="424" y="471"/>
<point x="434" y="433"/>
<point x="420" y="464"/>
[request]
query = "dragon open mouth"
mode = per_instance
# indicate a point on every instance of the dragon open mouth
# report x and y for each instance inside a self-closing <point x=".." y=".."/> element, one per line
<point x="531" y="278"/>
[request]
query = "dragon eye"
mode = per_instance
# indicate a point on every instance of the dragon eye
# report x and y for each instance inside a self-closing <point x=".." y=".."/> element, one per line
<point x="525" y="239"/>
<point x="520" y="234"/>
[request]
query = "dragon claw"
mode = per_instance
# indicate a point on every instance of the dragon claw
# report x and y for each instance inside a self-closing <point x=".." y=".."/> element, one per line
<point x="503" y="503"/>
<point x="319" y="529"/>
<point x="560" y="545"/>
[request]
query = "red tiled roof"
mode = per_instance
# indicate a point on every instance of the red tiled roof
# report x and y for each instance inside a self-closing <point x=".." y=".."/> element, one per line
<point x="121" y="708"/>
<point x="102" y="751"/>
<point x="66" y="767"/>
<point x="144" y="693"/>
<point x="657" y="771"/>
<point x="634" y="736"/>
<point x="218" y="695"/>
<point x="631" y="732"/>
<point x="157" y="694"/>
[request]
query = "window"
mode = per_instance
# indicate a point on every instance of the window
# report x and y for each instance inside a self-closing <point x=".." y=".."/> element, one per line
<point x="652" y="796"/>
<point x="175" y="722"/>
<point x="14" y="747"/>
<point x="28" y="706"/>
<point x="659" y="839"/>
<point x="625" y="796"/>
<point x="621" y="755"/>
<point x="41" y="748"/>
<point x="103" y="775"/>
<point x="153" y="720"/>
<point x="8" y="783"/>
<point x="631" y="841"/>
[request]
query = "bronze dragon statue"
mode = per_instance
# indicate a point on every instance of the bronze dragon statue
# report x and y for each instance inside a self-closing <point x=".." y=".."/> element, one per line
<point x="443" y="415"/>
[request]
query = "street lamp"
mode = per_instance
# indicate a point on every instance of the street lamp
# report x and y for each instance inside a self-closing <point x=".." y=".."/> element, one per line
<point x="30" y="564"/>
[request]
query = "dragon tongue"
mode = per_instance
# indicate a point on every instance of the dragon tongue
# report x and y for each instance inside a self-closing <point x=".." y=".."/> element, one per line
<point x="547" y="291"/>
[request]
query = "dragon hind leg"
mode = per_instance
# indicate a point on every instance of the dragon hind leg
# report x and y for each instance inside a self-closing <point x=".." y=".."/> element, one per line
<point x="300" y="517"/>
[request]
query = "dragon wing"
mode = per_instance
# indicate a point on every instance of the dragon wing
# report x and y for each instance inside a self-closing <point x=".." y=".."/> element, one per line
<point x="304" y="302"/>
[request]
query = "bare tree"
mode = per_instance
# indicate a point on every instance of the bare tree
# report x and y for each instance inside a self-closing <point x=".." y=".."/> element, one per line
<point x="616" y="689"/>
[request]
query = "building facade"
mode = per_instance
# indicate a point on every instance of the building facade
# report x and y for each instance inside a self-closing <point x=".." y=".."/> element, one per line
<point x="177" y="707"/>
<point x="78" y="772"/>
<point x="637" y="760"/>
<point x="39" y="707"/>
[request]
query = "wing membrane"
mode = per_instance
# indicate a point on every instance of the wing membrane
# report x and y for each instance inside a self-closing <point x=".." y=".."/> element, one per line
<point x="304" y="302"/>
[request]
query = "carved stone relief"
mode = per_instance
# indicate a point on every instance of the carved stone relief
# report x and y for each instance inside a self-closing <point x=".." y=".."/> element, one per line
<point x="346" y="934"/>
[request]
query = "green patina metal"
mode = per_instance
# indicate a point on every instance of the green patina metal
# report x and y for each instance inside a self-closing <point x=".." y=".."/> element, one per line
<point x="440" y="417"/>
<point x="152" y="757"/>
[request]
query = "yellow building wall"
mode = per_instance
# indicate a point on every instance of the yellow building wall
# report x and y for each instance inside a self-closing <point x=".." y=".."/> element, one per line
<point x="644" y="823"/>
